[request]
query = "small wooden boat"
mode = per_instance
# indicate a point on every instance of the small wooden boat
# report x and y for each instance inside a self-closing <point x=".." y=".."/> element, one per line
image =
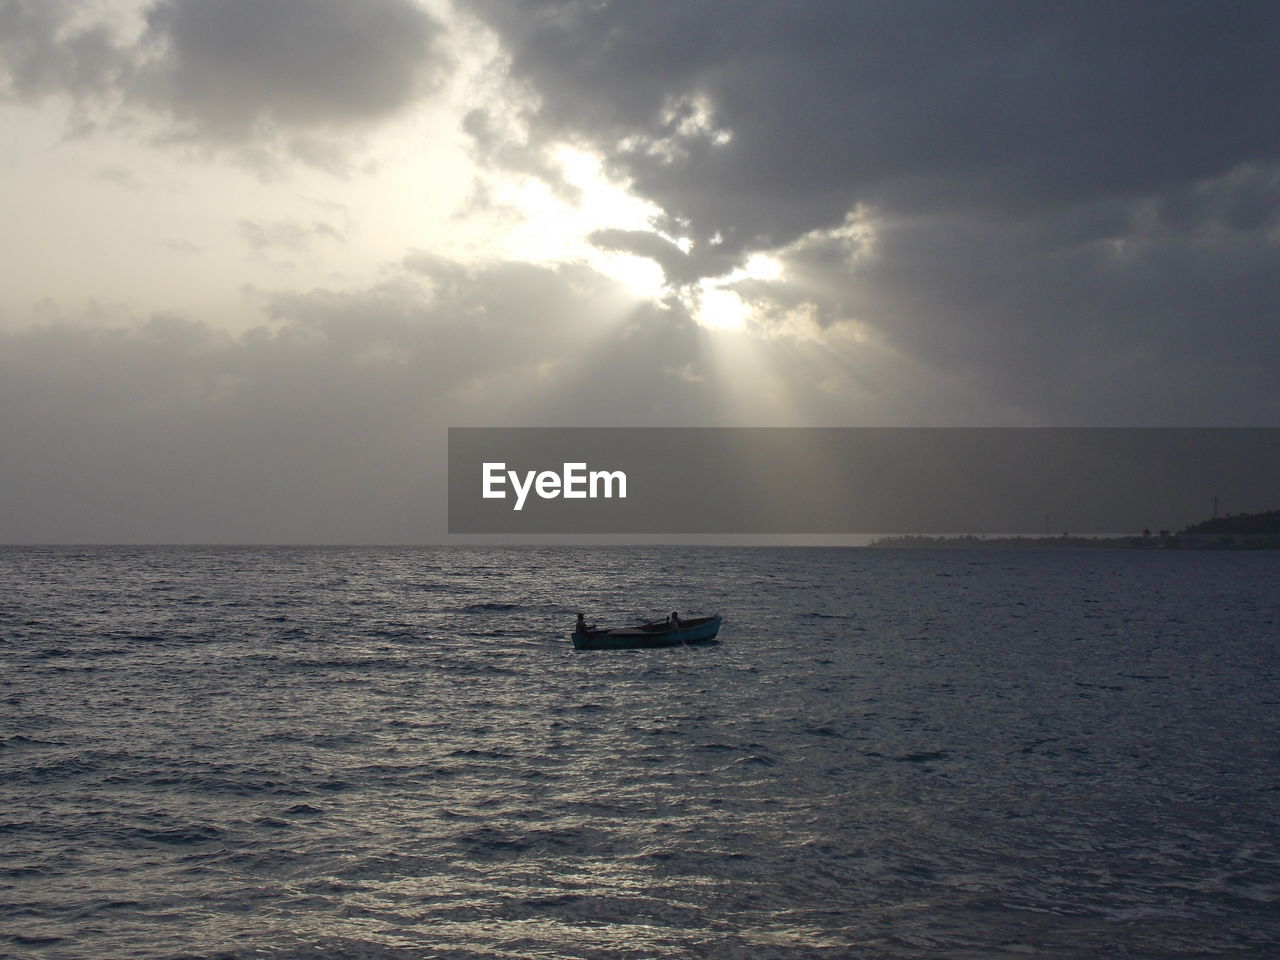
<point x="660" y="633"/>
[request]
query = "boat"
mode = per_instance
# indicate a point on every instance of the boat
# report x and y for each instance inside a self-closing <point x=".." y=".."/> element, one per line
<point x="659" y="633"/>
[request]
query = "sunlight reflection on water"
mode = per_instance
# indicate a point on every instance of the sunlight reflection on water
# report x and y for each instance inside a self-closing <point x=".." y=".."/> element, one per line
<point x="396" y="753"/>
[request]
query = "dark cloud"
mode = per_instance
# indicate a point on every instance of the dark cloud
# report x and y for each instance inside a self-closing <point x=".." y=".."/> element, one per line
<point x="680" y="267"/>
<point x="46" y="49"/>
<point x="230" y="68"/>
<point x="990" y="104"/>
<point x="295" y="73"/>
<point x="1171" y="329"/>
<point x="1072" y="208"/>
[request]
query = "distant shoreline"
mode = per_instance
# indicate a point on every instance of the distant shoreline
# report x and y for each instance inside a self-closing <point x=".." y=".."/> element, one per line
<point x="1242" y="531"/>
<point x="1171" y="542"/>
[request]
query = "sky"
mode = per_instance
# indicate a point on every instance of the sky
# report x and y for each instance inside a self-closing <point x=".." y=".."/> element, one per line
<point x="258" y="255"/>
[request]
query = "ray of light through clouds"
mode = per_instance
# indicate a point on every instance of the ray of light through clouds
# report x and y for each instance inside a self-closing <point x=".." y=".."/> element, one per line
<point x="258" y="254"/>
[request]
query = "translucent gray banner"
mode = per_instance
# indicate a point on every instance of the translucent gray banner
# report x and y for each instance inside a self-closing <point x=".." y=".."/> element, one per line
<point x="855" y="480"/>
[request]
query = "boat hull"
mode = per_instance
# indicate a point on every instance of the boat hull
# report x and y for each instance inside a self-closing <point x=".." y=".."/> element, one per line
<point x="702" y="630"/>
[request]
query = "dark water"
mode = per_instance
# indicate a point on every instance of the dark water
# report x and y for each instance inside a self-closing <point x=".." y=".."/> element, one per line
<point x="395" y="753"/>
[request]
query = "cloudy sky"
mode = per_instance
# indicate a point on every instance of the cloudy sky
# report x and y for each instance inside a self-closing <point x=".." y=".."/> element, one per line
<point x="258" y="255"/>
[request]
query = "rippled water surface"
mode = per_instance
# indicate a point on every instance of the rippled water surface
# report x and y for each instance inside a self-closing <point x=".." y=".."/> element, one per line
<point x="396" y="753"/>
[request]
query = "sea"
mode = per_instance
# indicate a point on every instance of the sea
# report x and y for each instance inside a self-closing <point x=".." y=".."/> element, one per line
<point x="352" y="752"/>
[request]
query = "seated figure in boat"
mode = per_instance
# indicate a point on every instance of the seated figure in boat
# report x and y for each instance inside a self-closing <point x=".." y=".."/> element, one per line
<point x="582" y="624"/>
<point x="675" y="619"/>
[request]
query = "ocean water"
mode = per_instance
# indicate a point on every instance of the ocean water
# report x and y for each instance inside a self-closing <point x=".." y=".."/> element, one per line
<point x="386" y="753"/>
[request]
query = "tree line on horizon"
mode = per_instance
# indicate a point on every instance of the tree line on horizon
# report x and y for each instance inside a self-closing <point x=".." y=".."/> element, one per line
<point x="1264" y="524"/>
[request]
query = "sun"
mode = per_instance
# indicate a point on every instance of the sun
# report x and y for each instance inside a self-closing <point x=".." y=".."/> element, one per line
<point x="717" y="306"/>
<point x="718" y="309"/>
<point x="641" y="276"/>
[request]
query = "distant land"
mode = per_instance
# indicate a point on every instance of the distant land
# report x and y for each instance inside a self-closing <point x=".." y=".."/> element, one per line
<point x="1241" y="531"/>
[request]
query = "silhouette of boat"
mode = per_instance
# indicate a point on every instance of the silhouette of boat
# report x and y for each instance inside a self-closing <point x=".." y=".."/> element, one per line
<point x="660" y="633"/>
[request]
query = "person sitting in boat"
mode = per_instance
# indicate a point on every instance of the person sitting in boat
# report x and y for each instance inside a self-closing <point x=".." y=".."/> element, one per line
<point x="582" y="624"/>
<point x="675" y="619"/>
